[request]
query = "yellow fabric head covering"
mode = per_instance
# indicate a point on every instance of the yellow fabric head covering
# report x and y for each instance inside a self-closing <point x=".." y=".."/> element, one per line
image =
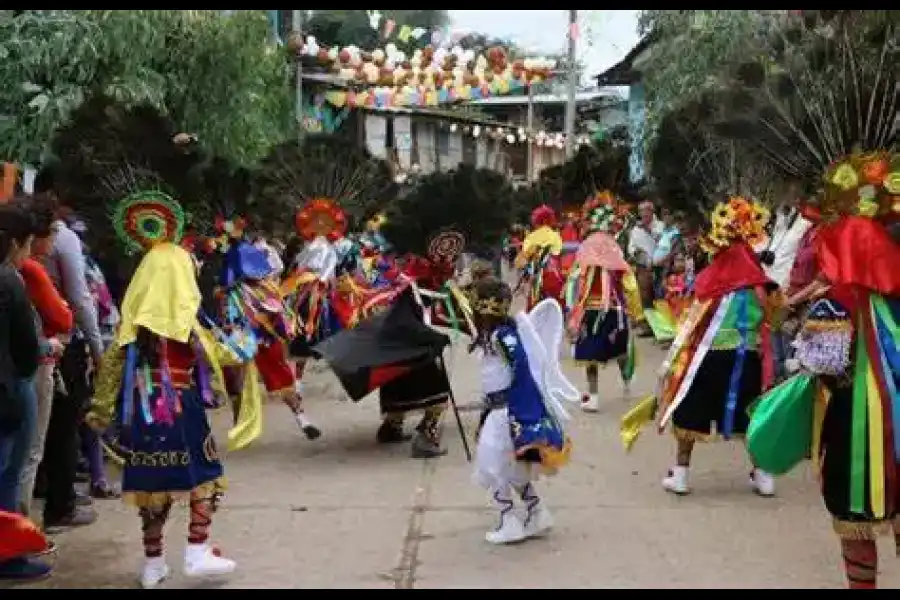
<point x="163" y="296"/>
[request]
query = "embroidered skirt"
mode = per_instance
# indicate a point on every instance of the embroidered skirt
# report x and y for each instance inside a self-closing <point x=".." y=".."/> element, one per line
<point x="424" y="387"/>
<point x="603" y="337"/>
<point x="705" y="402"/>
<point x="164" y="463"/>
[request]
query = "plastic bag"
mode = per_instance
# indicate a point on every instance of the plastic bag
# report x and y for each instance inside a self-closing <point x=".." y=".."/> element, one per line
<point x="781" y="425"/>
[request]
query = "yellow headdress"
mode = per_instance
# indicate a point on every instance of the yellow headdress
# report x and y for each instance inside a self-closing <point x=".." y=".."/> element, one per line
<point x="737" y="220"/>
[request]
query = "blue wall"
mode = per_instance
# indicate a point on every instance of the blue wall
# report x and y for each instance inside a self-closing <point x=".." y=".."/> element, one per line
<point x="637" y="119"/>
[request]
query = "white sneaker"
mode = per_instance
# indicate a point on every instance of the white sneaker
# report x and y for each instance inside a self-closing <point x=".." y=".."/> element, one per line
<point x="762" y="483"/>
<point x="677" y="481"/>
<point x="539" y="522"/>
<point x="200" y="561"/>
<point x="154" y="572"/>
<point x="590" y="404"/>
<point x="510" y="531"/>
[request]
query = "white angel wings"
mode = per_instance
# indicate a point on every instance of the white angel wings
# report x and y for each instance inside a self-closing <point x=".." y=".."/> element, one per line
<point x="541" y="332"/>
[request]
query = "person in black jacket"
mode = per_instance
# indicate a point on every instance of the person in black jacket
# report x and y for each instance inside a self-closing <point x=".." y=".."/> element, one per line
<point x="19" y="355"/>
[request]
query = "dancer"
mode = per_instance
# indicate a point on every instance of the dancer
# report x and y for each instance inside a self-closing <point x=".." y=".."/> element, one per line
<point x="521" y="433"/>
<point x="849" y="351"/>
<point x="310" y="282"/>
<point x="721" y="358"/>
<point x="259" y="322"/>
<point x="598" y="321"/>
<point x="424" y="389"/>
<point x="540" y="258"/>
<point x="155" y="382"/>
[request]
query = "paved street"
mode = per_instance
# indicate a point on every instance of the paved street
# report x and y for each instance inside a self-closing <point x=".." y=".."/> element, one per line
<point x="345" y="513"/>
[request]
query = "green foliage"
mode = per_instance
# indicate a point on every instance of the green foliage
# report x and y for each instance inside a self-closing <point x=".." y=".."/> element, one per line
<point x="476" y="202"/>
<point x="321" y="165"/>
<point x="738" y="100"/>
<point x="214" y="75"/>
<point x="599" y="166"/>
<point x="108" y="151"/>
<point x="352" y="28"/>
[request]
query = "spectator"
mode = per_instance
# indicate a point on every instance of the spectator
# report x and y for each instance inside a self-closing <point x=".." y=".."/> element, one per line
<point x="641" y="246"/>
<point x="780" y="254"/>
<point x="108" y="318"/>
<point x="670" y="234"/>
<point x="67" y="268"/>
<point x="19" y="354"/>
<point x="55" y="326"/>
<point x="789" y="227"/>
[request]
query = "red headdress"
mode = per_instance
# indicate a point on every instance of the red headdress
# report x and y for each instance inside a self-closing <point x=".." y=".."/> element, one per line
<point x="321" y="217"/>
<point x="543" y="216"/>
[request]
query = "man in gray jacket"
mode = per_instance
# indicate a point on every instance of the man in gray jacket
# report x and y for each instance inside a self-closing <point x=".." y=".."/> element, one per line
<point x="66" y="266"/>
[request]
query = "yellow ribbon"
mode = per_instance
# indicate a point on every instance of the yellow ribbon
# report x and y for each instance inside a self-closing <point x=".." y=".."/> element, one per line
<point x="876" y="445"/>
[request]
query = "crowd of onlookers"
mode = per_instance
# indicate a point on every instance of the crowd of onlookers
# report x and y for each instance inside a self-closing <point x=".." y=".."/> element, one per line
<point x="56" y="318"/>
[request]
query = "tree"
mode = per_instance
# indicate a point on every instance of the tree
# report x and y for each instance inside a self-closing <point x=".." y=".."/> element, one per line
<point x="352" y="27"/>
<point x="213" y="74"/>
<point x="108" y="150"/>
<point x="475" y="202"/>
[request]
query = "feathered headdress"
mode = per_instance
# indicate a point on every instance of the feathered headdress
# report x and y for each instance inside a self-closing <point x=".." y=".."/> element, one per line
<point x="735" y="221"/>
<point x="321" y="217"/>
<point x="865" y="184"/>
<point x="143" y="220"/>
<point x="543" y="216"/>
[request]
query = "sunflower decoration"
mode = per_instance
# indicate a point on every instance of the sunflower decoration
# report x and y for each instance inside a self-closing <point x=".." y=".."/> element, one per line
<point x="737" y="220"/>
<point x="865" y="184"/>
<point x="145" y="219"/>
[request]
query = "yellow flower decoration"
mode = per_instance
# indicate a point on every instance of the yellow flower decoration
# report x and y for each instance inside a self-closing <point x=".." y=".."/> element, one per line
<point x="892" y="182"/>
<point x="867" y="207"/>
<point x="845" y="177"/>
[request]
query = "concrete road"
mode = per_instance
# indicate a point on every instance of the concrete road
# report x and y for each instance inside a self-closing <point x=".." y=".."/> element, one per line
<point x="343" y="512"/>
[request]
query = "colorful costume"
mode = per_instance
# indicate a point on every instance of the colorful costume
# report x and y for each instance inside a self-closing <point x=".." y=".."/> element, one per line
<point x="598" y="306"/>
<point x="843" y="408"/>
<point x="156" y="382"/>
<point x="540" y="258"/>
<point x="442" y="304"/>
<point x="721" y="358"/>
<point x="521" y="433"/>
<point x="256" y="324"/>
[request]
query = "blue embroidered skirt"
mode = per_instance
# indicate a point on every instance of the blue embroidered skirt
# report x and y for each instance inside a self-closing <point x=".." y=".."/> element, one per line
<point x="164" y="462"/>
<point x="602" y="337"/>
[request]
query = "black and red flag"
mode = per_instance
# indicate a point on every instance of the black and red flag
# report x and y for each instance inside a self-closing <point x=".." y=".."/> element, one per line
<point x="393" y="343"/>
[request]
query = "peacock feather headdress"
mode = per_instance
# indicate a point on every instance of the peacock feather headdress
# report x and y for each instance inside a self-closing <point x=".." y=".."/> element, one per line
<point x="145" y="219"/>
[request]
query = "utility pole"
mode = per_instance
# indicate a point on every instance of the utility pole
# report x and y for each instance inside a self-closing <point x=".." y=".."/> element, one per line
<point x="529" y="124"/>
<point x="573" y="86"/>
<point x="297" y="26"/>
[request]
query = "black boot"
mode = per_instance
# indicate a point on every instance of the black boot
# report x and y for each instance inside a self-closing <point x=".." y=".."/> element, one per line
<point x="391" y="432"/>
<point x="427" y="443"/>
